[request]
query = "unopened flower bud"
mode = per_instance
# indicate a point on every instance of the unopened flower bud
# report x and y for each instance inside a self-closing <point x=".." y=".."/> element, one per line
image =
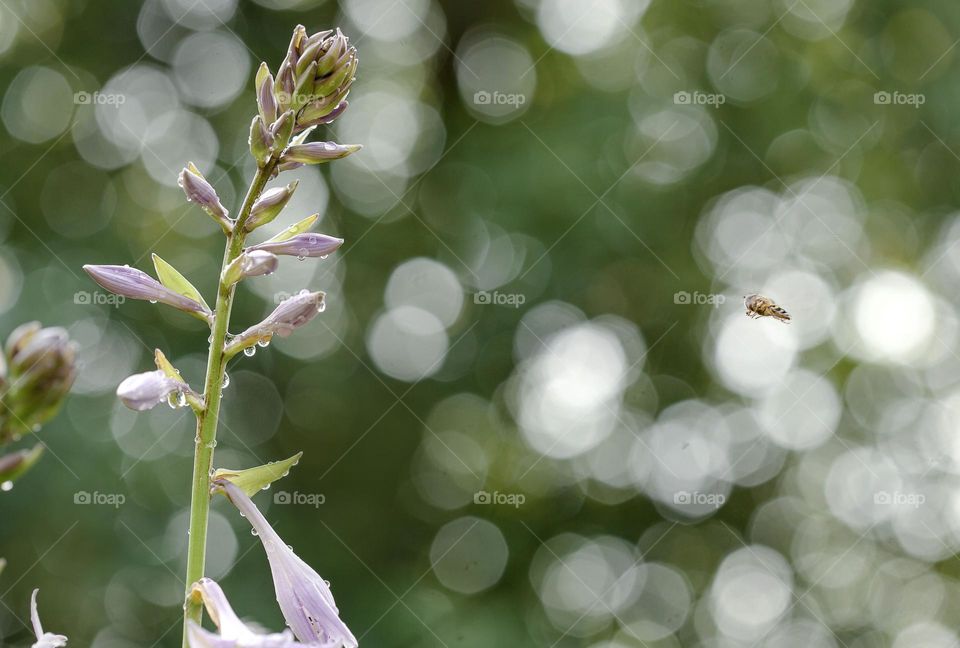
<point x="144" y="391"/>
<point x="251" y="263"/>
<point x="266" y="102"/>
<point x="317" y="72"/>
<point x="41" y="369"/>
<point x="198" y="190"/>
<point x="290" y="315"/>
<point x="132" y="283"/>
<point x="269" y="205"/>
<point x="281" y="131"/>
<point x="260" y="140"/>
<point x="318" y="152"/>
<point x="302" y="245"/>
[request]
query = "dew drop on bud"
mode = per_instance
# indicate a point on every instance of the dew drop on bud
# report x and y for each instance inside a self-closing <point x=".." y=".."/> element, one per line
<point x="263" y="342"/>
<point x="249" y="351"/>
<point x="5" y="486"/>
<point x="253" y="532"/>
<point x="226" y="381"/>
<point x="322" y="306"/>
<point x="153" y="301"/>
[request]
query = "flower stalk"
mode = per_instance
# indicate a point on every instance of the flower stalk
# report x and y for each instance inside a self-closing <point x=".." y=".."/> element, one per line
<point x="213" y="387"/>
<point x="328" y="64"/>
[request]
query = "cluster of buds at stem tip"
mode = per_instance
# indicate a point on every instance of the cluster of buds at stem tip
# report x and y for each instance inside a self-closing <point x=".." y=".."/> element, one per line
<point x="291" y="314"/>
<point x="310" y="89"/>
<point x="37" y="369"/>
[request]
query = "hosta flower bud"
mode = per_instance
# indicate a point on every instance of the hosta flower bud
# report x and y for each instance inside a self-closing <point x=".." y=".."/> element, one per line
<point x="132" y="283"/>
<point x="291" y="314"/>
<point x="302" y="245"/>
<point x="266" y="103"/>
<point x="15" y="464"/>
<point x="251" y="263"/>
<point x="281" y="131"/>
<point x="317" y="72"/>
<point x="260" y="140"/>
<point x="269" y="205"/>
<point x="144" y="391"/>
<point x="41" y="369"/>
<point x="318" y="152"/>
<point x="198" y="190"/>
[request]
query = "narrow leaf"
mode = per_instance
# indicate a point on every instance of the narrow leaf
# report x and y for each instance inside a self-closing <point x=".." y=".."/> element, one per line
<point x="172" y="279"/>
<point x="164" y="365"/>
<point x="253" y="480"/>
<point x="297" y="228"/>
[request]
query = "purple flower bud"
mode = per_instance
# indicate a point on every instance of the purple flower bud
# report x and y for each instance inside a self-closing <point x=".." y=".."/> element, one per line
<point x="318" y="152"/>
<point x="291" y="314"/>
<point x="143" y="391"/>
<point x="251" y="263"/>
<point x="281" y="131"/>
<point x="302" y="245"/>
<point x="132" y="283"/>
<point x="304" y="596"/>
<point x="44" y="639"/>
<point x="266" y="102"/>
<point x="198" y="190"/>
<point x="260" y="140"/>
<point x="268" y="205"/>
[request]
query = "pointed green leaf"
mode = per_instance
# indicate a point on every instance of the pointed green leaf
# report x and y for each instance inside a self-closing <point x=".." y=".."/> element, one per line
<point x="164" y="365"/>
<point x="172" y="279"/>
<point x="13" y="465"/>
<point x="256" y="479"/>
<point x="297" y="228"/>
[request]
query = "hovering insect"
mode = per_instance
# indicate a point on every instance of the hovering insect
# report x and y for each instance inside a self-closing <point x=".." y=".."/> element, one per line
<point x="760" y="306"/>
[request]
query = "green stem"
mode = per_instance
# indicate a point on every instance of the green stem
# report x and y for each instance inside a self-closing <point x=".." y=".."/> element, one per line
<point x="208" y="419"/>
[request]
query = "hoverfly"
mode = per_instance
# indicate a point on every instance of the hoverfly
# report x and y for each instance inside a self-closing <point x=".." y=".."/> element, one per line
<point x="760" y="306"/>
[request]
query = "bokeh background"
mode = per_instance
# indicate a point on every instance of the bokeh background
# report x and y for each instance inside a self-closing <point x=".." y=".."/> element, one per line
<point x="534" y="412"/>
